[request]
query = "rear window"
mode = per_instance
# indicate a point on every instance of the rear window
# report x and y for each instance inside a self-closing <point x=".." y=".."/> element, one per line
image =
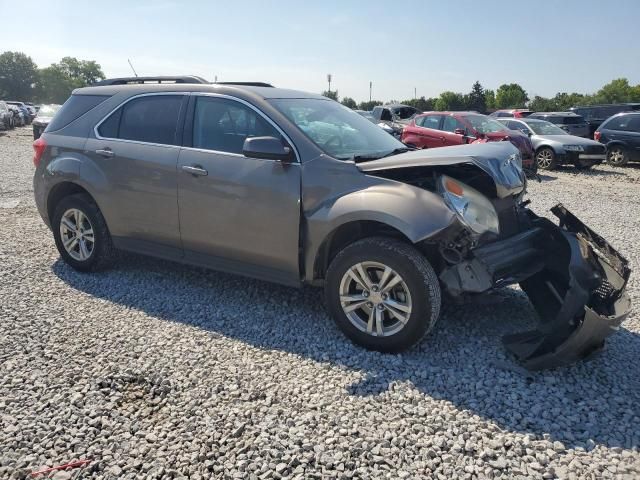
<point x="74" y="108"/>
<point x="151" y="119"/>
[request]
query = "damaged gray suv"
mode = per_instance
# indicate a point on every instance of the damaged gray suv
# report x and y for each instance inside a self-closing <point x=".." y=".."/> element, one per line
<point x="294" y="188"/>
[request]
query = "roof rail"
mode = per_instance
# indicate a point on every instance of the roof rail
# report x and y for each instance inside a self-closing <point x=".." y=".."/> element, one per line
<point x="246" y="84"/>
<point x="140" y="80"/>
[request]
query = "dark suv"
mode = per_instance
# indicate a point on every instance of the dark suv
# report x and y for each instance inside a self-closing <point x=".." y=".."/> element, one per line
<point x="295" y="188"/>
<point x="568" y="121"/>
<point x="594" y="115"/>
<point x="621" y="135"/>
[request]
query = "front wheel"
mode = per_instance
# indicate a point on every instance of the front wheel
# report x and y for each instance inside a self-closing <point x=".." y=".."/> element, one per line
<point x="617" y="156"/>
<point x="383" y="294"/>
<point x="546" y="159"/>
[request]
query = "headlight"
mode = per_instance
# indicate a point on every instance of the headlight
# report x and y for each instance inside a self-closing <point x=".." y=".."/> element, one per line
<point x="573" y="148"/>
<point x="474" y="209"/>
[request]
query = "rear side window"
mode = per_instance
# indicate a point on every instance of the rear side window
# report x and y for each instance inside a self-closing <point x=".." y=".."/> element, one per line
<point x="151" y="119"/>
<point x="450" y="124"/>
<point x="73" y="108"/>
<point x="627" y="123"/>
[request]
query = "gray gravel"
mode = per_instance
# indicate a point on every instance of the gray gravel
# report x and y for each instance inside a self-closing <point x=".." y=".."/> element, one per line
<point x="155" y="370"/>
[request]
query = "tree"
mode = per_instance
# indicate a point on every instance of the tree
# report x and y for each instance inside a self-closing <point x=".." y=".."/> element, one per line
<point x="422" y="104"/>
<point x="490" y="99"/>
<point x="476" y="98"/>
<point x="368" y="106"/>
<point x="564" y="101"/>
<point x="17" y="76"/>
<point x="87" y="71"/>
<point x="616" y="91"/>
<point x="332" y="95"/>
<point x="542" y="104"/>
<point x="349" y="102"/>
<point x="511" y="95"/>
<point x="451" y="101"/>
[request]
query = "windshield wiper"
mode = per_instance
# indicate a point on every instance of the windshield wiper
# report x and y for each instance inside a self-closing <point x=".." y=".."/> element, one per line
<point x="376" y="156"/>
<point x="396" y="151"/>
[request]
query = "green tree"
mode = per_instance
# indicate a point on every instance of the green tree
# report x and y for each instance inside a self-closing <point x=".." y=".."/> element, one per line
<point x="616" y="91"/>
<point x="56" y="82"/>
<point x="422" y="104"/>
<point x="332" y="95"/>
<point x="511" y="95"/>
<point x="87" y="71"/>
<point x="542" y="104"/>
<point x="451" y="101"/>
<point x="564" y="101"/>
<point x="368" y="106"/>
<point x="476" y="98"/>
<point x="17" y="76"/>
<point x="349" y="102"/>
<point x="490" y="99"/>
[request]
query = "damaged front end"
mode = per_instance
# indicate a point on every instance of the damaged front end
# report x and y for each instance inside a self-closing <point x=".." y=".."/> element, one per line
<point x="574" y="279"/>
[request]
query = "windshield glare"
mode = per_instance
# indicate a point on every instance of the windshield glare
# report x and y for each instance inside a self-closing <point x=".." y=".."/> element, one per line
<point x="336" y="129"/>
<point x="545" y="128"/>
<point x="484" y="124"/>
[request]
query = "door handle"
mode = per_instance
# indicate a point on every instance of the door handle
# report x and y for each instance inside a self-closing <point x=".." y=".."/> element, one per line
<point x="195" y="170"/>
<point x="105" y="152"/>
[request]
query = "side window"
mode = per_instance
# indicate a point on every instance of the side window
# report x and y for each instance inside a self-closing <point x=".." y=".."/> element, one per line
<point x="223" y="125"/>
<point x="450" y="124"/>
<point x="623" y="122"/>
<point x="634" y="124"/>
<point x="432" y="121"/>
<point x="151" y="119"/>
<point x="386" y="114"/>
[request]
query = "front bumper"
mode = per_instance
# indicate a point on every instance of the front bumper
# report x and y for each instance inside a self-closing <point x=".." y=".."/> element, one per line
<point x="575" y="157"/>
<point x="575" y="280"/>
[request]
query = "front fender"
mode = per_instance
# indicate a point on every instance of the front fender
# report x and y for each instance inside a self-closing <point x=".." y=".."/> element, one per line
<point x="418" y="214"/>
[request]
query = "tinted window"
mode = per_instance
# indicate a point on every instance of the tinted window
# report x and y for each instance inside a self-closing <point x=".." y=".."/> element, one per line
<point x="628" y="123"/>
<point x="570" y="120"/>
<point x="223" y="125"/>
<point x="73" y="108"/>
<point x="517" y="126"/>
<point x="431" y="121"/>
<point x="450" y="124"/>
<point x="151" y="119"/>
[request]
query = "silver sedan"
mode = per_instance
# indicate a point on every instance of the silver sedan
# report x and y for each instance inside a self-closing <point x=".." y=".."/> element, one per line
<point x="553" y="146"/>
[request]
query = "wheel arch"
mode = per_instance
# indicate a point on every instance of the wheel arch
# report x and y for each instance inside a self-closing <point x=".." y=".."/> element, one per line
<point x="62" y="190"/>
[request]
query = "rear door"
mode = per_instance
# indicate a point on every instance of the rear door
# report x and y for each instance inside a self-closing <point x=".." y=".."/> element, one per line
<point x="134" y="155"/>
<point x="237" y="213"/>
<point x="450" y="125"/>
<point x="430" y="134"/>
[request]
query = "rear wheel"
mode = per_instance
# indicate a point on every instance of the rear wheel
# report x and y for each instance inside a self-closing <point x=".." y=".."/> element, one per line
<point x="81" y="234"/>
<point x="383" y="294"/>
<point x="617" y="155"/>
<point x="546" y="159"/>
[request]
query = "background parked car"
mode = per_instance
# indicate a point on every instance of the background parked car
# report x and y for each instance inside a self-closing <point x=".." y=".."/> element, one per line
<point x="394" y="117"/>
<point x="6" y="117"/>
<point x="568" y="121"/>
<point x="19" y="119"/>
<point x="512" y="113"/>
<point x="45" y="114"/>
<point x="596" y="114"/>
<point x="553" y="146"/>
<point x="26" y="113"/>
<point x="621" y="135"/>
<point x="441" y="129"/>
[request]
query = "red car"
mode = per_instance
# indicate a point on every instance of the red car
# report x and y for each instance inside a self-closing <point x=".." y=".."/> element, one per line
<point x="443" y="129"/>
<point x="512" y="113"/>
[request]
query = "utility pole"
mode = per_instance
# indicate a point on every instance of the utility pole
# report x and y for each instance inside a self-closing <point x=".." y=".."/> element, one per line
<point x="415" y="93"/>
<point x="329" y="80"/>
<point x="215" y="79"/>
<point x="370" y="87"/>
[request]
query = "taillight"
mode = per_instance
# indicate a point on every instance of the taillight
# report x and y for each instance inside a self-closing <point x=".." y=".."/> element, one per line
<point x="596" y="136"/>
<point x="38" y="149"/>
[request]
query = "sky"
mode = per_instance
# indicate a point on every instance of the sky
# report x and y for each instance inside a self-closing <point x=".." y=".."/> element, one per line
<point x="546" y="46"/>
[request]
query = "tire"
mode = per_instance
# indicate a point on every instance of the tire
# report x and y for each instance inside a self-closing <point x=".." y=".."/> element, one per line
<point x="617" y="156"/>
<point x="546" y="159"/>
<point x="101" y="252"/>
<point x="417" y="294"/>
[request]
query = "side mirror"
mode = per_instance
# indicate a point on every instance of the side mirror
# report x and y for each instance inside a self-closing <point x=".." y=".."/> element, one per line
<point x="269" y="148"/>
<point x="459" y="131"/>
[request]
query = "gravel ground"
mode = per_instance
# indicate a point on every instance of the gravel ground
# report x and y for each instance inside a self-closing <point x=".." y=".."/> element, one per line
<point x="155" y="370"/>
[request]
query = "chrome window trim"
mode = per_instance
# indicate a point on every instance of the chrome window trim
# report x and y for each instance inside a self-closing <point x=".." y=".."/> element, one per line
<point x="195" y="94"/>
<point x="124" y="102"/>
<point x="255" y="109"/>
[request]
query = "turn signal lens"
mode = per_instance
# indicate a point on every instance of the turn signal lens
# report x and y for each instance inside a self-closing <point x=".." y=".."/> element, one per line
<point x="453" y="187"/>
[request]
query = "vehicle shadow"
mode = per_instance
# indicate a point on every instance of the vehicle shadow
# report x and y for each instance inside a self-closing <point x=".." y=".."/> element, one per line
<point x="590" y="400"/>
<point x="592" y="172"/>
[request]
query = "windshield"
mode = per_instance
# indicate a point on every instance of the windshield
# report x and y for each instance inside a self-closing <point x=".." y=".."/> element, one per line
<point x="338" y="130"/>
<point x="484" y="124"/>
<point x="540" y="127"/>
<point x="48" y="110"/>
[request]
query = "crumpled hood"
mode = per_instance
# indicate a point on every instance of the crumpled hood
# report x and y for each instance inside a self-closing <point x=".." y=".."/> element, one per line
<point x="500" y="160"/>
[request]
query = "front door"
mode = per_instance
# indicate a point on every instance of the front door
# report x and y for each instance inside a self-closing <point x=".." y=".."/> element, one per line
<point x="237" y="213"/>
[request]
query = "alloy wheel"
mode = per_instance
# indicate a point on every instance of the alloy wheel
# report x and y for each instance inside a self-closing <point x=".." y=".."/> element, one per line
<point x="616" y="156"/>
<point x="77" y="234"/>
<point x="544" y="158"/>
<point x="375" y="299"/>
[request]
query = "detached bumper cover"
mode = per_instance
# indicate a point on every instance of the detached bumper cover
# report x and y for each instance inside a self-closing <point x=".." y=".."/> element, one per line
<point x="575" y="280"/>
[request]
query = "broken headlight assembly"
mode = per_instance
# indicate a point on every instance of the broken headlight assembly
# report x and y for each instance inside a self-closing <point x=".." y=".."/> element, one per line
<point x="472" y="208"/>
